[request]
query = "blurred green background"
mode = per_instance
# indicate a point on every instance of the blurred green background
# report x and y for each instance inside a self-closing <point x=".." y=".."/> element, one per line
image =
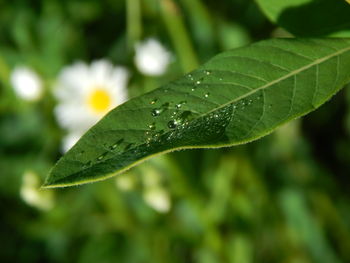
<point x="284" y="198"/>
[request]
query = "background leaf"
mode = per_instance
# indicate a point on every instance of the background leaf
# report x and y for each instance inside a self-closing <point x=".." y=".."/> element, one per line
<point x="236" y="97"/>
<point x="298" y="16"/>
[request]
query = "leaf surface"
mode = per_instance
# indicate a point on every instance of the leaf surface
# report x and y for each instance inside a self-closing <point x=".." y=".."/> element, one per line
<point x="236" y="97"/>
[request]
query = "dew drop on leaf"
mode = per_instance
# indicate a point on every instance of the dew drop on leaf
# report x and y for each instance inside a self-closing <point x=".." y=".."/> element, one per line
<point x="153" y="101"/>
<point x="156" y="112"/>
<point x="101" y="156"/>
<point x="115" y="146"/>
<point x="152" y="126"/>
<point x="173" y="124"/>
<point x="179" y="105"/>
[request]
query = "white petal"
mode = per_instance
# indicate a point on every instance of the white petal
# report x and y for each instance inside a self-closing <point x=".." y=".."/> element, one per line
<point x="31" y="194"/>
<point x="26" y="83"/>
<point x="118" y="85"/>
<point x="151" y="58"/>
<point x="72" y="82"/>
<point x="69" y="140"/>
<point x="125" y="182"/>
<point x="75" y="117"/>
<point x="101" y="71"/>
<point x="158" y="199"/>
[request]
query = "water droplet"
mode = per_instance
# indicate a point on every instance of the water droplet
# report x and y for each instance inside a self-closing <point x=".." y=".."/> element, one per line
<point x="220" y="79"/>
<point x="153" y="101"/>
<point x="190" y="77"/>
<point x="207" y="72"/>
<point x="114" y="146"/>
<point x="173" y="124"/>
<point x="152" y="126"/>
<point x="101" y="156"/>
<point x="193" y="89"/>
<point x="157" y="135"/>
<point x="206" y="95"/>
<point x="156" y="112"/>
<point x="198" y="82"/>
<point x="179" y="105"/>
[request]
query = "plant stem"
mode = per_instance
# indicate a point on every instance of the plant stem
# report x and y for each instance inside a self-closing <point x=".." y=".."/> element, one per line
<point x="178" y="34"/>
<point x="134" y="25"/>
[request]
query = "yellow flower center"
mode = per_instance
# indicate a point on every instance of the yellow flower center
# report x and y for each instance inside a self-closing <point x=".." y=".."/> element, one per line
<point x="99" y="100"/>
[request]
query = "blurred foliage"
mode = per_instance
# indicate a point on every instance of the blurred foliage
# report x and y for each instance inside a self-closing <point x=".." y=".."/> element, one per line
<point x="332" y="16"/>
<point x="284" y="198"/>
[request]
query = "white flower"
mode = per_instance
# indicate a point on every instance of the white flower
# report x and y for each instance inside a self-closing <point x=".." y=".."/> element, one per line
<point x="86" y="93"/>
<point x="157" y="198"/>
<point x="31" y="193"/>
<point x="151" y="57"/>
<point x="26" y="83"/>
<point x="125" y="182"/>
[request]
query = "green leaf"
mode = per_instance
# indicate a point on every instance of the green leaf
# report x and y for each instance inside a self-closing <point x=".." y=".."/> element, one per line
<point x="236" y="97"/>
<point x="308" y="17"/>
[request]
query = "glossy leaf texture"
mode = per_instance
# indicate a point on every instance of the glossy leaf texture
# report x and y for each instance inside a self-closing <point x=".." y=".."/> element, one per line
<point x="236" y="97"/>
<point x="309" y="17"/>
